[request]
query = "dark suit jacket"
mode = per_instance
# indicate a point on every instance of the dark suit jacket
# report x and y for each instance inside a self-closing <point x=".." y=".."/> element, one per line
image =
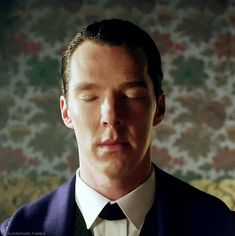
<point x="179" y="210"/>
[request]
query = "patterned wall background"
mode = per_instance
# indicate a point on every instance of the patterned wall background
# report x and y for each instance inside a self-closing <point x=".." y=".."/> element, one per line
<point x="195" y="142"/>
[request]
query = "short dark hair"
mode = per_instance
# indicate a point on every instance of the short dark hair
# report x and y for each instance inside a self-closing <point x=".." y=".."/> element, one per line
<point x="116" y="32"/>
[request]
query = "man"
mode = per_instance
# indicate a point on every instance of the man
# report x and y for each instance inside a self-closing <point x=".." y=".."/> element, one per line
<point x="112" y="99"/>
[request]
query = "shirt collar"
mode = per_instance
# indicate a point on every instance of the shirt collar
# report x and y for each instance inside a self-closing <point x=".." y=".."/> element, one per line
<point x="91" y="202"/>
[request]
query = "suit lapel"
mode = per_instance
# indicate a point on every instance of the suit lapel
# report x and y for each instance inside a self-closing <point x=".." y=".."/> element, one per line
<point x="170" y="217"/>
<point x="154" y="224"/>
<point x="157" y="222"/>
<point x="150" y="227"/>
<point x="61" y="212"/>
<point x="80" y="225"/>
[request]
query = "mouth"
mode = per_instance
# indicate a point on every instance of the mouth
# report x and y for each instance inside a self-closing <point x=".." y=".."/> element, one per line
<point x="110" y="145"/>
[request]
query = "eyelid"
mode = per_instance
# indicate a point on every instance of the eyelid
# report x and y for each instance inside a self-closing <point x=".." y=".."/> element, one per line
<point x="88" y="98"/>
<point x="137" y="88"/>
<point x="136" y="92"/>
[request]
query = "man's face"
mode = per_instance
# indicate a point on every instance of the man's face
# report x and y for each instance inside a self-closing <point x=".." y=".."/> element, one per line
<point x="112" y="108"/>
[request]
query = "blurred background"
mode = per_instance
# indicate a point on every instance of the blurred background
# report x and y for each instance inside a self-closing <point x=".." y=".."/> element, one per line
<point x="195" y="142"/>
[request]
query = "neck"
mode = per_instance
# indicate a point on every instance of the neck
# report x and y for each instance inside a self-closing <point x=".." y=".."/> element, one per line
<point x="114" y="188"/>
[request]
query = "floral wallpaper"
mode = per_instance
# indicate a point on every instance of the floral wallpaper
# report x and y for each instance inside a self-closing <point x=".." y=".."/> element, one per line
<point x="195" y="142"/>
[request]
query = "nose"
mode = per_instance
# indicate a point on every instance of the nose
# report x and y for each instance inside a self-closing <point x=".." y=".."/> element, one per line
<point x="111" y="113"/>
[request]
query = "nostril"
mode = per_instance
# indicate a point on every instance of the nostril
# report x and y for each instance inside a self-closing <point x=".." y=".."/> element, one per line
<point x="111" y="121"/>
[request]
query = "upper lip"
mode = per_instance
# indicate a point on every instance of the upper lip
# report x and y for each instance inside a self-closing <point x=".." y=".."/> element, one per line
<point x="111" y="142"/>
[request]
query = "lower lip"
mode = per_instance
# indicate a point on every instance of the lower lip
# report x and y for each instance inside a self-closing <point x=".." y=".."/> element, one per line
<point x="111" y="147"/>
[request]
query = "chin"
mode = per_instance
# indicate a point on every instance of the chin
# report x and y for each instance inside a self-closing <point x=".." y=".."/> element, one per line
<point x="117" y="169"/>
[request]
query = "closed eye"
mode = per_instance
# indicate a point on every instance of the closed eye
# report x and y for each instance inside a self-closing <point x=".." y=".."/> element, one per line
<point x="88" y="98"/>
<point x="136" y="93"/>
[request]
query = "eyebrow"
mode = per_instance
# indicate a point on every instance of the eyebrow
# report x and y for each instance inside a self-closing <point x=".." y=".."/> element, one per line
<point x="86" y="86"/>
<point x="134" y="84"/>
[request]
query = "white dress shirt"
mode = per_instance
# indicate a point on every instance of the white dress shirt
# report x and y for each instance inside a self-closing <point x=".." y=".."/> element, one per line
<point x="135" y="206"/>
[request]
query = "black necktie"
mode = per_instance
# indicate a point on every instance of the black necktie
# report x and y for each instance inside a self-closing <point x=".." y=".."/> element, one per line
<point x="112" y="212"/>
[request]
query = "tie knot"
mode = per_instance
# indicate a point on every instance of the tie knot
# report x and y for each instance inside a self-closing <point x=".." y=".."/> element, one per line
<point x="112" y="212"/>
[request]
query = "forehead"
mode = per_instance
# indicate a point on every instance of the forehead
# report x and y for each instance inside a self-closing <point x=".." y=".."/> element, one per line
<point x="98" y="57"/>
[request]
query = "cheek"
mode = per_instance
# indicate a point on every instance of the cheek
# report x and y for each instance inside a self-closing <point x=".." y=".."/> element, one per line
<point x="142" y="116"/>
<point x="141" y="128"/>
<point x="85" y="123"/>
<point x="84" y="133"/>
<point x="81" y="113"/>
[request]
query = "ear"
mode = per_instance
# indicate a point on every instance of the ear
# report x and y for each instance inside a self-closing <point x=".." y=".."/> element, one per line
<point x="65" y="113"/>
<point x="160" y="110"/>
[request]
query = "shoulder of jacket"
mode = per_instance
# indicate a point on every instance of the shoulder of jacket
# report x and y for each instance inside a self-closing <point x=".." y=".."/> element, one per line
<point x="4" y="226"/>
<point x="35" y="211"/>
<point x="172" y="186"/>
